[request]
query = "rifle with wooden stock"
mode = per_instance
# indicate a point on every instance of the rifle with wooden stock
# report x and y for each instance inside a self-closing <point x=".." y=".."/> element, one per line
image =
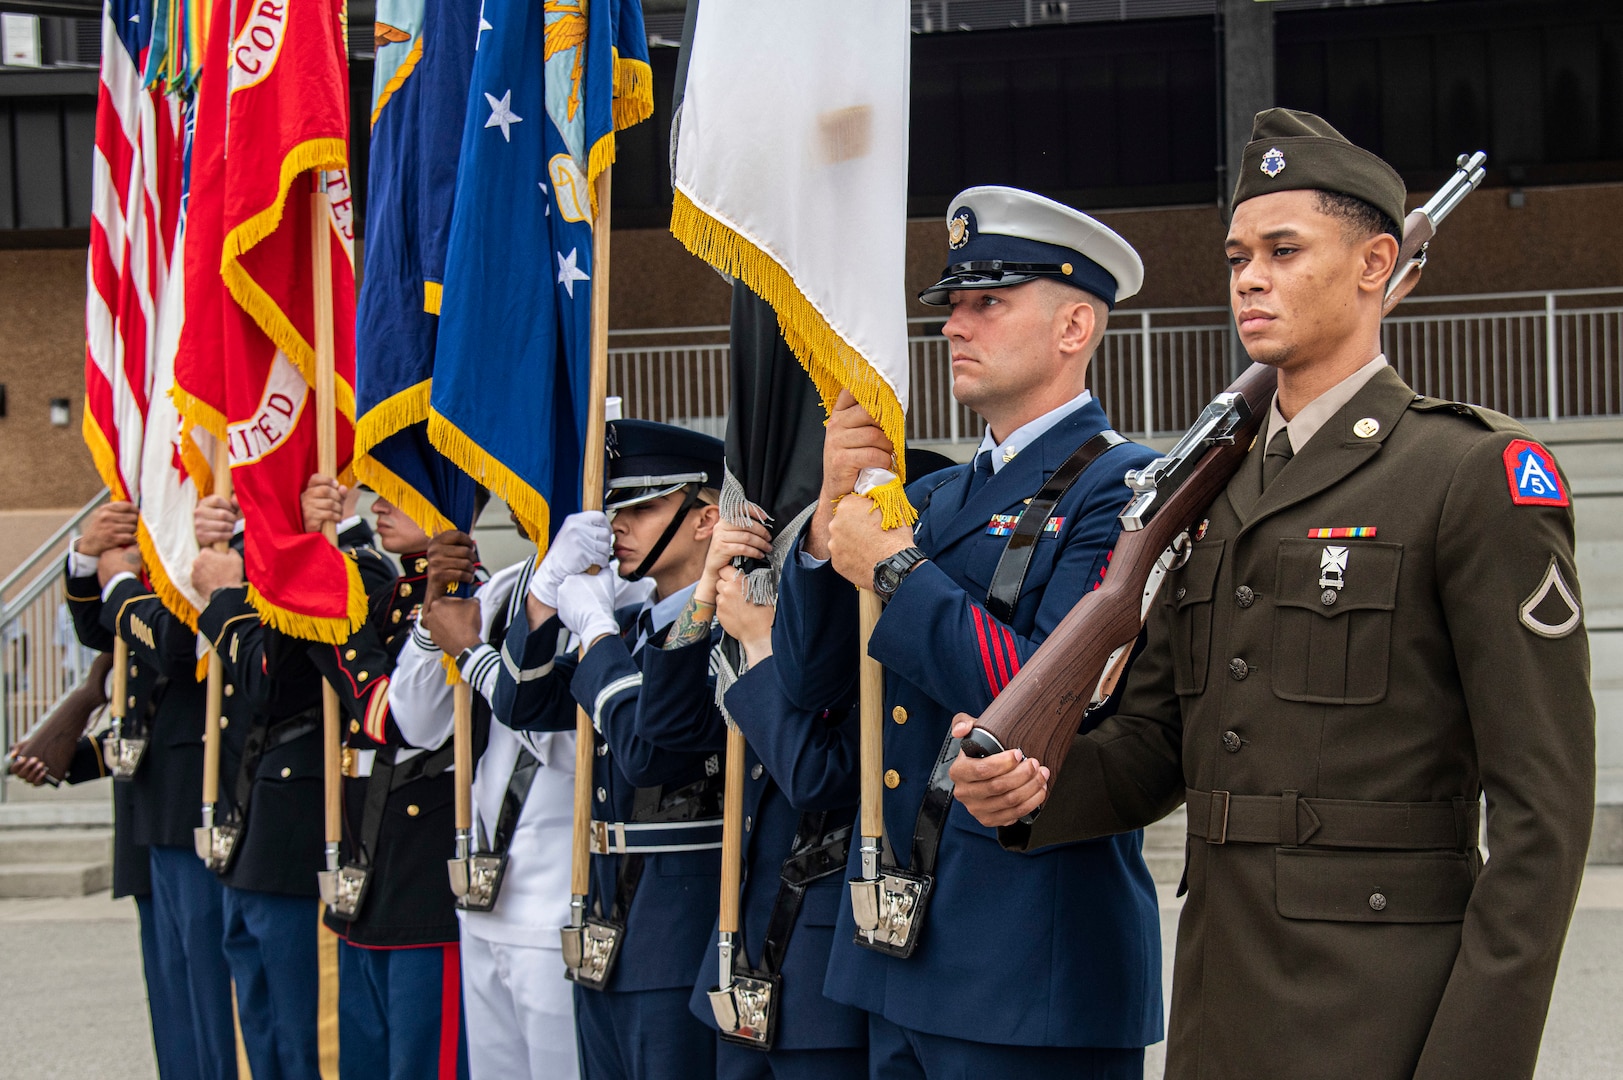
<point x="1077" y="667"/>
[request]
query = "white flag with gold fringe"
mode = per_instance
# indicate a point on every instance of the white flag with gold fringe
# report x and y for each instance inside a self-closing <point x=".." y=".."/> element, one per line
<point x="791" y="175"/>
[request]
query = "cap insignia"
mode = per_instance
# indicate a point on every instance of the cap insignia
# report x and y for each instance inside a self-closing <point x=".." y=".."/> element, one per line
<point x="958" y="231"/>
<point x="1273" y="163"/>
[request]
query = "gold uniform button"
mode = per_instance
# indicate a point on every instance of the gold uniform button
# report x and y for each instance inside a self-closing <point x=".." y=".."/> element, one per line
<point x="422" y="566"/>
<point x="349" y="654"/>
<point x="134" y="671"/>
<point x="412" y="810"/>
<point x="405" y="588"/>
<point x="394" y="616"/>
<point x="229" y="690"/>
<point x="360" y="676"/>
<point x="225" y="722"/>
<point x="892" y="778"/>
<point x="354" y="726"/>
<point x="286" y="772"/>
<point x="132" y="701"/>
<point x="899" y="715"/>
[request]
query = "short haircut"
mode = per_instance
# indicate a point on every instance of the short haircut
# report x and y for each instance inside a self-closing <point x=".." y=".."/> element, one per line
<point x="1359" y="219"/>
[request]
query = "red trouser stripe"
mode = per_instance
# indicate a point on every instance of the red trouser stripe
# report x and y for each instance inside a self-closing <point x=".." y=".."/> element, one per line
<point x="450" y="1010"/>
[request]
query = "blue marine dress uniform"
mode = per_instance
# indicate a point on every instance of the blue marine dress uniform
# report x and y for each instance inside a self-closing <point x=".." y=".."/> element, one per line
<point x="999" y="983"/>
<point x="656" y="863"/>
<point x="399" y="972"/>
<point x="800" y="799"/>
<point x="271" y="781"/>
<point x="188" y="985"/>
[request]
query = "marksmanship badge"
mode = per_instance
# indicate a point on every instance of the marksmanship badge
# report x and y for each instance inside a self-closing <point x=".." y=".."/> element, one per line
<point x="1273" y="163"/>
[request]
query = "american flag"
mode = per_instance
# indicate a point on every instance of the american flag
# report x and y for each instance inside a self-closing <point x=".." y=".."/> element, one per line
<point x="136" y="187"/>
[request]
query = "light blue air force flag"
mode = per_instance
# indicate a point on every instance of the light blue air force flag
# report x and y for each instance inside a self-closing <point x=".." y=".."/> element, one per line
<point x="549" y="89"/>
<point x="419" y="95"/>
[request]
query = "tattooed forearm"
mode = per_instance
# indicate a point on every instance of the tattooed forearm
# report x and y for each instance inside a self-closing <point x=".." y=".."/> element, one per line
<point x="690" y="626"/>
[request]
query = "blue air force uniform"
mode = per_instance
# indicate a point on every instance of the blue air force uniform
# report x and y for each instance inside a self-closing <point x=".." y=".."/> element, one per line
<point x="800" y="777"/>
<point x="656" y="780"/>
<point x="188" y="985"/>
<point x="398" y="958"/>
<point x="1074" y="929"/>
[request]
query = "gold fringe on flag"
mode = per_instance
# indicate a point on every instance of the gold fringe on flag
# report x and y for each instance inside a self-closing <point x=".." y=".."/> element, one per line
<point x="333" y="631"/>
<point x="525" y="502"/>
<point x="101" y="452"/>
<point x="398" y="79"/>
<point x="168" y="592"/>
<point x="828" y="358"/>
<point x="251" y="297"/>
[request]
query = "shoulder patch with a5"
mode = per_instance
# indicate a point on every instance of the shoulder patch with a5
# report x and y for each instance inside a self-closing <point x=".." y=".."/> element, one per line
<point x="1534" y="480"/>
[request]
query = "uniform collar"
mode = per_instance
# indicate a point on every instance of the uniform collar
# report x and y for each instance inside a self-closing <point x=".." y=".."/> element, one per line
<point x="664" y="612"/>
<point x="1023" y="436"/>
<point x="1306" y="423"/>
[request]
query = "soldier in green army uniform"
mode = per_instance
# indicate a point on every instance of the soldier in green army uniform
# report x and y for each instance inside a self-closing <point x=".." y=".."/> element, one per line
<point x="1379" y="620"/>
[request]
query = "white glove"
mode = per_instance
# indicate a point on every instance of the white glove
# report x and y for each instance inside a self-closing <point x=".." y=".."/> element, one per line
<point x="586" y="605"/>
<point x="584" y="541"/>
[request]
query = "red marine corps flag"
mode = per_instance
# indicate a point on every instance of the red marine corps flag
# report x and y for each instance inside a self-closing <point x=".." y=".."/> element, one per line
<point x="272" y="127"/>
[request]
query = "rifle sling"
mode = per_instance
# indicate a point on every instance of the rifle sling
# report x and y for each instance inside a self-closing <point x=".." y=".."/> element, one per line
<point x="525" y="766"/>
<point x="1004" y="594"/>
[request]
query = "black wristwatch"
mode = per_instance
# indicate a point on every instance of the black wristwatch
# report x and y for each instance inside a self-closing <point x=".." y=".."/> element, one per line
<point x="888" y="575"/>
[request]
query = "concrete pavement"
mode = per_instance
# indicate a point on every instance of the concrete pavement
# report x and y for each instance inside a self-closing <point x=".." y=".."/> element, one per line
<point x="72" y="1003"/>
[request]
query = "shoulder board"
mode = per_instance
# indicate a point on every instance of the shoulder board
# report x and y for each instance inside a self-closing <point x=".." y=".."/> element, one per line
<point x="1488" y="418"/>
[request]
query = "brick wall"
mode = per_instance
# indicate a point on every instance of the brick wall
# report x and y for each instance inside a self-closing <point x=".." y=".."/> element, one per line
<point x="1568" y="237"/>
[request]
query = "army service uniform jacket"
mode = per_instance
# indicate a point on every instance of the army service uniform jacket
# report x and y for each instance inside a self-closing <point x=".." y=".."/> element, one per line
<point x="656" y="743"/>
<point x="272" y="689"/>
<point x="165" y="703"/>
<point x="1333" y="705"/>
<point x="1077" y="954"/>
<point x="408" y="899"/>
<point x="794" y="764"/>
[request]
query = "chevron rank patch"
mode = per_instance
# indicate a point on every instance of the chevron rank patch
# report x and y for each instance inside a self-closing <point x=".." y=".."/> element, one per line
<point x="1552" y="610"/>
<point x="1003" y="525"/>
<point x="1534" y="479"/>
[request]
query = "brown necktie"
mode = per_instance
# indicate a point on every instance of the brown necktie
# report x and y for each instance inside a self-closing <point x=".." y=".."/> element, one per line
<point x="1279" y="452"/>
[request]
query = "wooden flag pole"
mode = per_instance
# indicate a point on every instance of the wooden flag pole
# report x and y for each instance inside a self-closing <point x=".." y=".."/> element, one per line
<point x="591" y="498"/>
<point x="871" y="736"/>
<point x="732" y="851"/>
<point x="326" y="465"/>
<point x="203" y="837"/>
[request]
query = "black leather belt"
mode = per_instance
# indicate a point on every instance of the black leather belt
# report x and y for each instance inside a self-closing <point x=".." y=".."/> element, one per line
<point x="388" y="776"/>
<point x="262" y="739"/>
<point x="518" y="789"/>
<point x="817" y="853"/>
<point x="1004" y="595"/>
<point x="1221" y="817"/>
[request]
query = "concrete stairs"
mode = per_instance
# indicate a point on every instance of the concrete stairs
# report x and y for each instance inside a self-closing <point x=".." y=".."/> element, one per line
<point x="55" y="843"/>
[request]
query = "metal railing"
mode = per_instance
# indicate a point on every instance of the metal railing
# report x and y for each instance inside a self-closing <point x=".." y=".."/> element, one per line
<point x="1535" y="355"/>
<point x="40" y="656"/>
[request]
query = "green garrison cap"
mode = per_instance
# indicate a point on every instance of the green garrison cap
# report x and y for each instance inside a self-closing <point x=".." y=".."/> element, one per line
<point x="1292" y="151"/>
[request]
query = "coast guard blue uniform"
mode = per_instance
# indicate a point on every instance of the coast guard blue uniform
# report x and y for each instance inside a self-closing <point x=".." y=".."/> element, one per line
<point x="188" y="985"/>
<point x="656" y="787"/>
<point x="1074" y="983"/>
<point x="799" y="769"/>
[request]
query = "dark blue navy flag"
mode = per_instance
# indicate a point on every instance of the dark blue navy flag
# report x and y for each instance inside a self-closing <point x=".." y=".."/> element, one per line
<point x="552" y="82"/>
<point x="420" y="90"/>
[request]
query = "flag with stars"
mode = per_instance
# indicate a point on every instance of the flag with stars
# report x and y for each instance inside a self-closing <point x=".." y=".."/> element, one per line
<point x="509" y="396"/>
<point x="419" y="94"/>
